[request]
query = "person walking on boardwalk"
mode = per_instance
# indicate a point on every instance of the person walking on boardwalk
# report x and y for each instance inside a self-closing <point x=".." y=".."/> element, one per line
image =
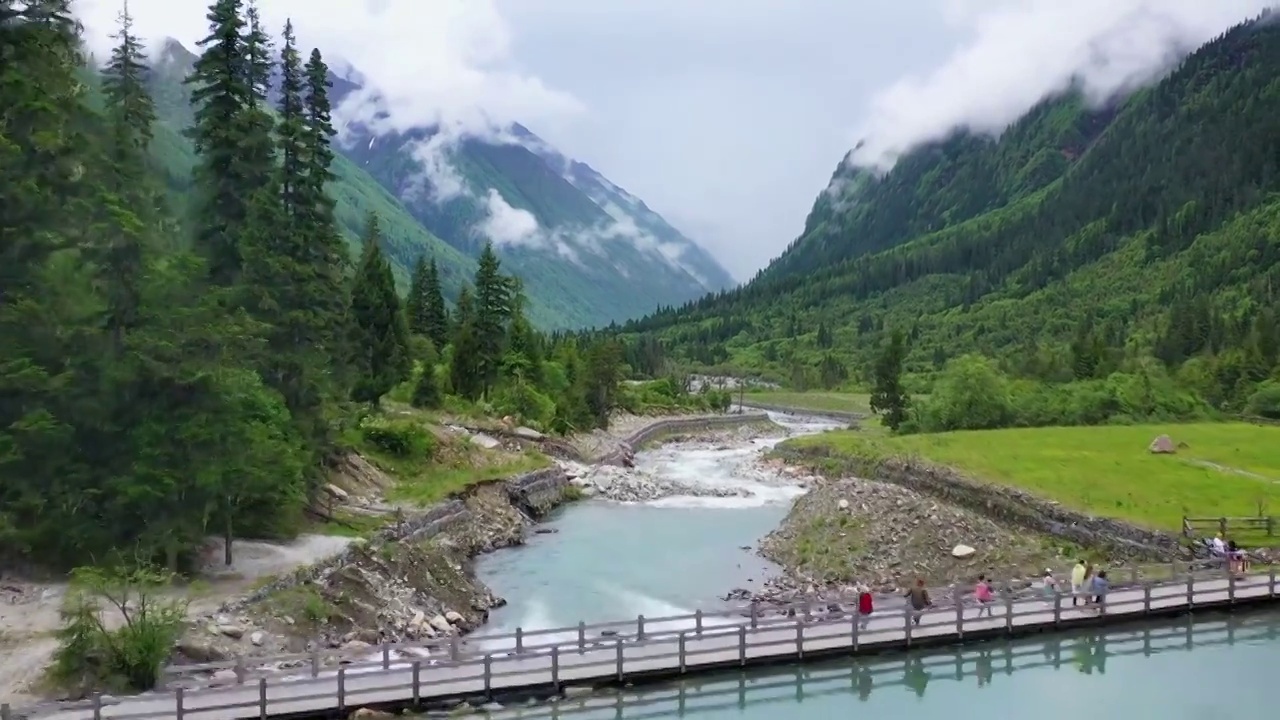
<point x="865" y="606"/>
<point x="1078" y="574"/>
<point x="1100" y="587"/>
<point x="1048" y="585"/>
<point x="919" y="598"/>
<point x="982" y="593"/>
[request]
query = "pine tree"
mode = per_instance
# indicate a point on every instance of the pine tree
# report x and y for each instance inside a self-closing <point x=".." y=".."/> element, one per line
<point x="493" y="303"/>
<point x="464" y="371"/>
<point x="887" y="395"/>
<point x="221" y="93"/>
<point x="133" y="114"/>
<point x="426" y="391"/>
<point x="120" y="238"/>
<point x="415" y="303"/>
<point x="436" y="314"/>
<point x="292" y="133"/>
<point x="379" y="343"/>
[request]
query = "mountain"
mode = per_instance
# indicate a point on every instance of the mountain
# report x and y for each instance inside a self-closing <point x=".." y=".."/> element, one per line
<point x="569" y="232"/>
<point x="572" y="237"/>
<point x="1148" y="226"/>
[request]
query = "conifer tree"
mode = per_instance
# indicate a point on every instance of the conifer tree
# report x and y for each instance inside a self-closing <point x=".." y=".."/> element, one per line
<point x="221" y="93"/>
<point x="415" y="303"/>
<point x="493" y="300"/>
<point x="464" y="371"/>
<point x="132" y="111"/>
<point x="887" y="394"/>
<point x="436" y="319"/>
<point x="292" y="132"/>
<point x="379" y="335"/>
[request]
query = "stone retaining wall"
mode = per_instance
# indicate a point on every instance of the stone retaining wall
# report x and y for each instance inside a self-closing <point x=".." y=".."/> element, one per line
<point x="663" y="428"/>
<point x="1002" y="503"/>
<point x="535" y="492"/>
<point x="850" y="417"/>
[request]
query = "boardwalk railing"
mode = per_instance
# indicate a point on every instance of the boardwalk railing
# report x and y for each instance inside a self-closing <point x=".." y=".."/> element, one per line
<point x="961" y="664"/>
<point x="545" y="668"/>
<point x="1230" y="527"/>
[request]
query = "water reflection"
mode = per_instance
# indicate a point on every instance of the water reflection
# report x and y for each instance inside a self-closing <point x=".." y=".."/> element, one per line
<point x="932" y="683"/>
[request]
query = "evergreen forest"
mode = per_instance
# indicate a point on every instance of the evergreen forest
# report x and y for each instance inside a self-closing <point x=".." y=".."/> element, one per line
<point x="175" y="366"/>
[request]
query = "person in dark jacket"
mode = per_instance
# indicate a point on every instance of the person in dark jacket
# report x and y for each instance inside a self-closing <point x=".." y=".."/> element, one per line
<point x="918" y="596"/>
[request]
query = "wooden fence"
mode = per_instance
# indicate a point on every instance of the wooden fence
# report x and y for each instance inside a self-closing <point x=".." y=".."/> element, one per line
<point x="1236" y="528"/>
<point x="652" y="649"/>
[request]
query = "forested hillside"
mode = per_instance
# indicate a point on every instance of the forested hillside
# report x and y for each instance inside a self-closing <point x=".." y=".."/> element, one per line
<point x="1141" y="237"/>
<point x="182" y="353"/>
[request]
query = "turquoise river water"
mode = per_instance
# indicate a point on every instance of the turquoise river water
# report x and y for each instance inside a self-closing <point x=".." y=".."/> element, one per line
<point x="608" y="561"/>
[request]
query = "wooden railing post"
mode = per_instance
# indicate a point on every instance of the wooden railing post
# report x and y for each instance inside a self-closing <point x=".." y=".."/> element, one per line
<point x="1057" y="606"/>
<point x="386" y="655"/>
<point x="488" y="675"/>
<point x="697" y="621"/>
<point x="582" y="637"/>
<point x="1231" y="588"/>
<point x="742" y="645"/>
<point x="519" y="640"/>
<point x="97" y="706"/>
<point x="1008" y="609"/>
<point x="177" y="702"/>
<point x="800" y="639"/>
<point x="239" y="671"/>
<point x="639" y="627"/>
<point x="1146" y="597"/>
<point x="906" y="622"/>
<point x="681" y="652"/>
<point x="619" y="652"/>
<point x="342" y="690"/>
<point x="755" y="615"/>
<point x="555" y="668"/>
<point x="853" y="628"/>
<point x="417" y="682"/>
<point x="453" y="648"/>
<point x="315" y="662"/>
<point x="262" y="698"/>
<point x="958" y="596"/>
<point x="1191" y="591"/>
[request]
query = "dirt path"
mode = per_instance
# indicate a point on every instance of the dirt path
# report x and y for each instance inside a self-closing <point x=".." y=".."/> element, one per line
<point x="29" y="612"/>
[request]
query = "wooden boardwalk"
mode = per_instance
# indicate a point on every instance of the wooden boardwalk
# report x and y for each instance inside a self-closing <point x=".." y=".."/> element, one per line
<point x="649" y="654"/>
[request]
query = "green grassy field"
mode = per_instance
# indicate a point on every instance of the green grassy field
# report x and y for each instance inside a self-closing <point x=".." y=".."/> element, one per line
<point x="1227" y="469"/>
<point x="832" y="401"/>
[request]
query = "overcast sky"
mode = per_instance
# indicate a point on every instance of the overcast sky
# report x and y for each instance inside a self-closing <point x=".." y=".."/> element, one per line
<point x="725" y="116"/>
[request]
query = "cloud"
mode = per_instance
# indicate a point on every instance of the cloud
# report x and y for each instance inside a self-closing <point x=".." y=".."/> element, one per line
<point x="506" y="225"/>
<point x="442" y="62"/>
<point x="1019" y="51"/>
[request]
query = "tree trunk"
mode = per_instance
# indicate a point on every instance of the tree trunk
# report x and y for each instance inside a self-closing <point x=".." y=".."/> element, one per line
<point x="226" y="542"/>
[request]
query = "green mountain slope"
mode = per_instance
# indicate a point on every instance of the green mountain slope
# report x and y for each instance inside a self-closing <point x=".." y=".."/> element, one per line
<point x="585" y="237"/>
<point x="355" y="192"/>
<point x="1146" y="228"/>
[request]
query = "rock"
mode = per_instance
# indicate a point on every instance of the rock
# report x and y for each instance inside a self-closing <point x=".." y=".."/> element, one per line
<point x="235" y="632"/>
<point x="223" y="677"/>
<point x="485" y="441"/>
<point x="367" y="714"/>
<point x="258" y="637"/>
<point x="336" y="492"/>
<point x="1162" y="445"/>
<point x="454" y="617"/>
<point x="525" y="433"/>
<point x="440" y="624"/>
<point x="843" y="504"/>
<point x="962" y="551"/>
<point x="200" y="650"/>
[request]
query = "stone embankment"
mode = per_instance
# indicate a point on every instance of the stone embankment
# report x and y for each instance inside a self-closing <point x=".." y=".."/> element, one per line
<point x="412" y="579"/>
<point x="887" y="521"/>
<point x="1010" y="506"/>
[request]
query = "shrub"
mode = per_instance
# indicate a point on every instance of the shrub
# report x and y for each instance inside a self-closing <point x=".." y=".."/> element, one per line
<point x="1265" y="401"/>
<point x="90" y="656"/>
<point x="401" y="438"/>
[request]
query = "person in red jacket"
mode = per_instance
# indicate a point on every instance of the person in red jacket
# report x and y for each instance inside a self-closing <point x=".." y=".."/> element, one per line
<point x="865" y="606"/>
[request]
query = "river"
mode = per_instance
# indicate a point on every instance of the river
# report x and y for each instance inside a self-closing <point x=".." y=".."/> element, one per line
<point x="608" y="561"/>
